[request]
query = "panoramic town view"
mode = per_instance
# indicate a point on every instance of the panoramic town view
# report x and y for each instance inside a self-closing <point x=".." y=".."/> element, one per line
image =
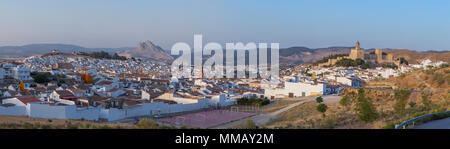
<point x="344" y="71"/>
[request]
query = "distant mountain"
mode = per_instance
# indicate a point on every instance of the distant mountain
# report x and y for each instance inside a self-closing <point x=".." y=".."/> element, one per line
<point x="38" y="49"/>
<point x="148" y="50"/>
<point x="300" y="55"/>
<point x="414" y="57"/>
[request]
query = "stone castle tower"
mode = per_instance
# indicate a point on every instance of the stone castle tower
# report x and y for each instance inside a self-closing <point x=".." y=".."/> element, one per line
<point x="377" y="57"/>
<point x="357" y="52"/>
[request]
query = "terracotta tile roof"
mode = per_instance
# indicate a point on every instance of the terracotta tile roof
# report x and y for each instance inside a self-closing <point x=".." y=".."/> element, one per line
<point x="76" y="91"/>
<point x="51" y="88"/>
<point x="64" y="93"/>
<point x="97" y="98"/>
<point x="114" y="89"/>
<point x="26" y="100"/>
<point x="165" y="101"/>
<point x="105" y="82"/>
<point x="83" y="87"/>
<point x="41" y="89"/>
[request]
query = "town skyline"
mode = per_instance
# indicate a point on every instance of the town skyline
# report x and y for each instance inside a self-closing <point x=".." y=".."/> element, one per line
<point x="413" y="25"/>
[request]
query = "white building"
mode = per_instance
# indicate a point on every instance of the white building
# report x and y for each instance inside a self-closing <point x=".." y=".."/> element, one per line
<point x="425" y="63"/>
<point x="21" y="101"/>
<point x="298" y="89"/>
<point x="387" y="73"/>
<point x="21" y="73"/>
<point x="353" y="82"/>
<point x="2" y="74"/>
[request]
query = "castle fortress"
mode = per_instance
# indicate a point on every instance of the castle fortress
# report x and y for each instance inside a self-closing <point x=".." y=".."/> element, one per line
<point x="374" y="57"/>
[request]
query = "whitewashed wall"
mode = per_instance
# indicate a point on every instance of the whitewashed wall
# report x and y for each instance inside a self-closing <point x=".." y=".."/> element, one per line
<point x="151" y="109"/>
<point x="94" y="113"/>
<point x="47" y="111"/>
<point x="13" y="110"/>
<point x="91" y="113"/>
<point x="63" y="112"/>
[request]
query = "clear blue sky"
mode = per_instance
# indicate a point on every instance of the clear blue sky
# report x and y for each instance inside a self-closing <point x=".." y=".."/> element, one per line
<point x="412" y="24"/>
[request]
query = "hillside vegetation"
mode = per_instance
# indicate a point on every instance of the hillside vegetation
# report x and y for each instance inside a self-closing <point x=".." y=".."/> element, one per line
<point x="430" y="79"/>
<point x="375" y="108"/>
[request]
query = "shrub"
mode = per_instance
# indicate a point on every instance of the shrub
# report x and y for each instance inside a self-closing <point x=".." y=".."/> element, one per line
<point x="401" y="96"/>
<point x="439" y="78"/>
<point x="105" y="127"/>
<point x="27" y="125"/>
<point x="250" y="124"/>
<point x="253" y="101"/>
<point x="389" y="126"/>
<point x="72" y="126"/>
<point x="389" y="65"/>
<point x="344" y="101"/>
<point x="426" y="103"/>
<point x="147" y="124"/>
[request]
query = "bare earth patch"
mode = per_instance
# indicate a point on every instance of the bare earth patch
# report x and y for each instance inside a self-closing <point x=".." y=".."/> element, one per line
<point x="21" y="122"/>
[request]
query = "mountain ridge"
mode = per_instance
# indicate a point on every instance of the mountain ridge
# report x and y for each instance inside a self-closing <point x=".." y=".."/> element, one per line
<point x="42" y="48"/>
<point x="148" y="50"/>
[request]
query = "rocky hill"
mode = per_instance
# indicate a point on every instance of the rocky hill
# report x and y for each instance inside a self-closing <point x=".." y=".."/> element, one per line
<point x="148" y="50"/>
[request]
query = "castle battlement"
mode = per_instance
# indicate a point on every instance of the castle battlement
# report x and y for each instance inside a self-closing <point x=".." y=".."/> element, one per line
<point x="376" y="57"/>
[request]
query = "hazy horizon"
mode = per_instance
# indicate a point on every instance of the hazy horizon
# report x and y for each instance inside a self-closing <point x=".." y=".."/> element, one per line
<point x="403" y="24"/>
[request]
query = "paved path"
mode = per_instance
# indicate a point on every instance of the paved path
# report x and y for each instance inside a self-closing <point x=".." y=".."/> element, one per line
<point x="420" y="91"/>
<point x="423" y="82"/>
<point x="436" y="124"/>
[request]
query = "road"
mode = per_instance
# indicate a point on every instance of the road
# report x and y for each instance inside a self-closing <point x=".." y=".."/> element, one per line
<point x="262" y="119"/>
<point x="436" y="124"/>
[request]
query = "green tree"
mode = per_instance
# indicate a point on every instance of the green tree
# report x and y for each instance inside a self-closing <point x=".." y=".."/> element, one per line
<point x="322" y="108"/>
<point x="403" y="61"/>
<point x="389" y="65"/>
<point x="412" y="104"/>
<point x="365" y="66"/>
<point x="325" y="59"/>
<point x="359" y="61"/>
<point x="41" y="77"/>
<point x="346" y="63"/>
<point x="365" y="109"/>
<point x="319" y="99"/>
<point x="444" y="65"/>
<point x="265" y="101"/>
